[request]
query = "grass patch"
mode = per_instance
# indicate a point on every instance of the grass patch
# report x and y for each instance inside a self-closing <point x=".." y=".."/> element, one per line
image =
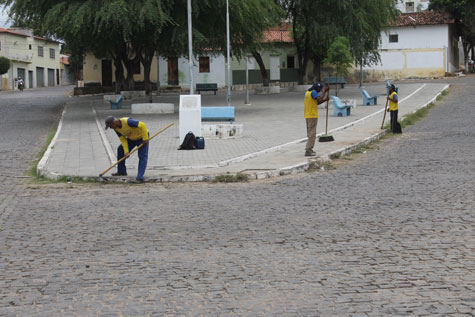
<point x="318" y="165"/>
<point x="412" y="118"/>
<point x="230" y="178"/>
<point x="33" y="172"/>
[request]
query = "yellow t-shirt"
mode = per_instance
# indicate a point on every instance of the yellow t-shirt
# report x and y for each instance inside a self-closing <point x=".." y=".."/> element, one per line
<point x="131" y="129"/>
<point x="311" y="105"/>
<point x="393" y="104"/>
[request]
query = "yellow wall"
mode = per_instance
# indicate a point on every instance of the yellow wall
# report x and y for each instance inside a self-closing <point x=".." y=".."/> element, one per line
<point x="92" y="69"/>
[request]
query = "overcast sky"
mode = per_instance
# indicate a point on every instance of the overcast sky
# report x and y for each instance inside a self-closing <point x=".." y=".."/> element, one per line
<point x="3" y="19"/>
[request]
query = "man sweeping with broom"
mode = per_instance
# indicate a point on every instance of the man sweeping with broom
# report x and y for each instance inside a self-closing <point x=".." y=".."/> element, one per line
<point x="131" y="133"/>
<point x="313" y="97"/>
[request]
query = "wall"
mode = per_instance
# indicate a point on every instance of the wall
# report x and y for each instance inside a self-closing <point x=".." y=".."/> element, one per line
<point x="423" y="4"/>
<point x="217" y="72"/>
<point x="421" y="51"/>
<point x="23" y="51"/>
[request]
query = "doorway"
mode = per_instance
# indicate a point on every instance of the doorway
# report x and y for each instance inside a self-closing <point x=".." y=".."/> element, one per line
<point x="106" y="73"/>
<point x="173" y="71"/>
<point x="275" y="68"/>
<point x="30" y="79"/>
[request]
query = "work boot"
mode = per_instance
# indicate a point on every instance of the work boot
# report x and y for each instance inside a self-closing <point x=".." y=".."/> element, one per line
<point x="310" y="153"/>
<point x="138" y="181"/>
<point x="119" y="174"/>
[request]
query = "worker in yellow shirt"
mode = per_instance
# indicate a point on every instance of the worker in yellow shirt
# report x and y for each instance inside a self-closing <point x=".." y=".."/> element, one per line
<point x="393" y="109"/>
<point x="131" y="133"/>
<point x="313" y="97"/>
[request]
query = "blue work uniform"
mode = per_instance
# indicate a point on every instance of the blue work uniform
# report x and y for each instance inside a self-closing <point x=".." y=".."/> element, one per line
<point x="131" y="134"/>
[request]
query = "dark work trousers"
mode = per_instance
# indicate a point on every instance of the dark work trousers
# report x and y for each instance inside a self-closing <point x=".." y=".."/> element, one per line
<point x="143" y="157"/>
<point x="393" y="120"/>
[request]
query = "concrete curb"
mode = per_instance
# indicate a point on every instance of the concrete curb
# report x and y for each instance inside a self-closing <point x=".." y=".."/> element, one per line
<point x="41" y="167"/>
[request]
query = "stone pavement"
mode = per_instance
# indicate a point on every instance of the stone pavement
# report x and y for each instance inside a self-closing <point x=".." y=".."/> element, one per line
<point x="272" y="143"/>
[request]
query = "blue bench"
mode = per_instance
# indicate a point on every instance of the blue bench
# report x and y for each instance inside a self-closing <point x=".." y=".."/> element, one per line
<point x="369" y="100"/>
<point x="217" y="114"/>
<point x="388" y="84"/>
<point x="339" y="108"/>
<point x="207" y="87"/>
<point x="335" y="81"/>
<point x="116" y="104"/>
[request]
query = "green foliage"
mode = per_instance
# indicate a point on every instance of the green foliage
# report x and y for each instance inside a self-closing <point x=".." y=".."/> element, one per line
<point x="230" y="178"/>
<point x="127" y="30"/>
<point x="4" y="65"/>
<point x="463" y="11"/>
<point x="316" y="23"/>
<point x="339" y="55"/>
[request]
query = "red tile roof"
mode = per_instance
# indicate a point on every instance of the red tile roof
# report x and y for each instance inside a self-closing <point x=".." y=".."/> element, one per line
<point x="2" y="30"/>
<point x="280" y="33"/>
<point x="423" y="18"/>
<point x="64" y="60"/>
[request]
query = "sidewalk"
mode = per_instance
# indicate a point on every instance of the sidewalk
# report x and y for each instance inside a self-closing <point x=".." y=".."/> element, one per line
<point x="272" y="143"/>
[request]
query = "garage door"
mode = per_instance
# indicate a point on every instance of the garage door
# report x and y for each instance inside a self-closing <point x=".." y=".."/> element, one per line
<point x="40" y="77"/>
<point x="50" y="77"/>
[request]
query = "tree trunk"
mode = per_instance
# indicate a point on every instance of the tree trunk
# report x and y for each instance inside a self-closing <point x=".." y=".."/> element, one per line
<point x="129" y="64"/>
<point x="146" y="60"/>
<point x="317" y="70"/>
<point x="466" y="49"/>
<point x="262" y="67"/>
<point x="119" y="75"/>
<point x="301" y="49"/>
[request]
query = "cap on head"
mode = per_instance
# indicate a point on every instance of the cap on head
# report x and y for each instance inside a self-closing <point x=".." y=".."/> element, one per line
<point x="109" y="120"/>
<point x="317" y="86"/>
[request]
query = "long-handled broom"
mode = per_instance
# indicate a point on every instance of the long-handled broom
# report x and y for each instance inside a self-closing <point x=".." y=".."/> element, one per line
<point x="326" y="137"/>
<point x="134" y="150"/>
<point x="385" y="110"/>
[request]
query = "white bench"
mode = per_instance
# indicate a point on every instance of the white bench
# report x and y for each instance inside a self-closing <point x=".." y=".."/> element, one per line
<point x="133" y="94"/>
<point x="146" y="108"/>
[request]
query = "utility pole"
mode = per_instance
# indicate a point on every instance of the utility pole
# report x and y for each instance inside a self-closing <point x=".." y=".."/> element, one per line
<point x="228" y="98"/>
<point x="190" y="49"/>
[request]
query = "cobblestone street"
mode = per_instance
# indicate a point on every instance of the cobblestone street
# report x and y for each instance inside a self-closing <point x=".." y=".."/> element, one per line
<point x="388" y="232"/>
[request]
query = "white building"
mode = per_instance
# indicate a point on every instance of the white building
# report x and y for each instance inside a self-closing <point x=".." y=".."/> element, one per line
<point x="420" y="44"/>
<point x="409" y="6"/>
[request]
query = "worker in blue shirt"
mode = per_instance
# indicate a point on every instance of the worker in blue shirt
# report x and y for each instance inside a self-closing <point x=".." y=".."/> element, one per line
<point x="131" y="133"/>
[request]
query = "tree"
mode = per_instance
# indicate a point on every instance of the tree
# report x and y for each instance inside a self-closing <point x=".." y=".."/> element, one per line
<point x="463" y="11"/>
<point x="316" y="23"/>
<point x="4" y="65"/>
<point x="340" y="56"/>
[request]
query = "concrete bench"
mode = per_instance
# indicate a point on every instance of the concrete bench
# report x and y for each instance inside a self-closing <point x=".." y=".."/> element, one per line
<point x="145" y="108"/>
<point x="217" y="114"/>
<point x="116" y="103"/>
<point x="334" y="81"/>
<point x="133" y="94"/>
<point x="339" y="108"/>
<point x="207" y="87"/>
<point x="369" y="100"/>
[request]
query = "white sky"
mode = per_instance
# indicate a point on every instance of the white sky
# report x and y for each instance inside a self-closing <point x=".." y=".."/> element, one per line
<point x="3" y="19"/>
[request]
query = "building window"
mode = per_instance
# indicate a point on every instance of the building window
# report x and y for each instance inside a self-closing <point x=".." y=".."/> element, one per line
<point x="204" y="64"/>
<point x="393" y="38"/>
<point x="409" y="6"/>
<point x="29" y="46"/>
<point x="40" y="50"/>
<point x="51" y="52"/>
<point x="0" y="45"/>
<point x="290" y="61"/>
